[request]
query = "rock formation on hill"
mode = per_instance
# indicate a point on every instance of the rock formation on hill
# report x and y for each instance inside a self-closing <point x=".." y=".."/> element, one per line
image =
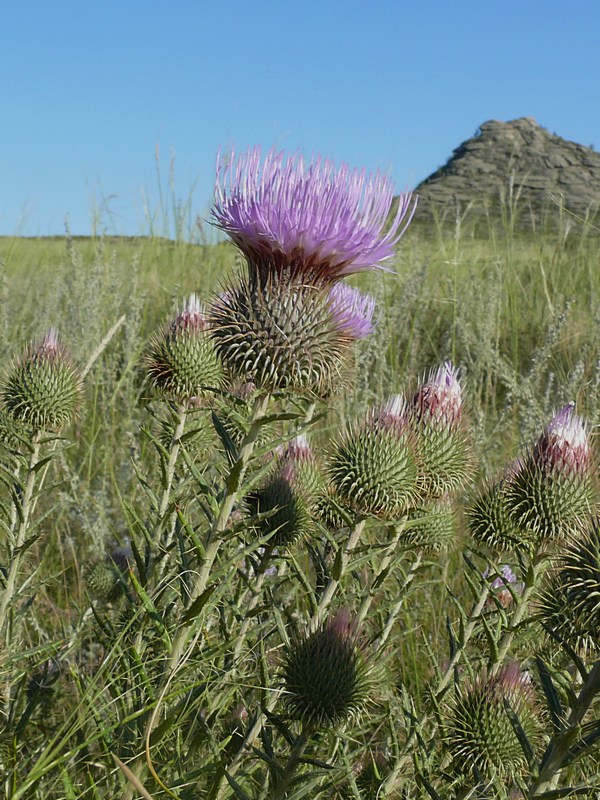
<point x="517" y="161"/>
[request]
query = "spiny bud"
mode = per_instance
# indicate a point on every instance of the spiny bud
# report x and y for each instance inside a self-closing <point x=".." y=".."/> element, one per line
<point x="282" y="505"/>
<point x="550" y="491"/>
<point x="372" y="466"/>
<point x="105" y="577"/>
<point x="326" y="675"/>
<point x="478" y="731"/>
<point x="490" y="522"/>
<point x="441" y="446"/>
<point x="570" y="599"/>
<point x="430" y="527"/>
<point x="181" y="361"/>
<point x="42" y="388"/>
<point x="281" y="334"/>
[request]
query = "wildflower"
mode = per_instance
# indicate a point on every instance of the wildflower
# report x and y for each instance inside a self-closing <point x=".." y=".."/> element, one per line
<point x="549" y="491"/>
<point x="302" y="227"/>
<point x="181" y="360"/>
<point x="372" y="466"/>
<point x="491" y="523"/>
<point x="430" y="527"/>
<point x="326" y="674"/>
<point x="441" y="446"/>
<point x="310" y="219"/>
<point x="504" y="586"/>
<point x="42" y="389"/>
<point x="479" y="732"/>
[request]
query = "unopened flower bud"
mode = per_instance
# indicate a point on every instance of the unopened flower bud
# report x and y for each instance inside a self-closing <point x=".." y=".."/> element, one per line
<point x="372" y="465"/>
<point x="42" y="389"/>
<point x="181" y="360"/>
<point x="326" y="674"/>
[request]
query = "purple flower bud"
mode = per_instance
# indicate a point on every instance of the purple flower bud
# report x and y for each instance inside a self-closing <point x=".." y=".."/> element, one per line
<point x="439" y="398"/>
<point x="312" y="219"/>
<point x="191" y="318"/>
<point x="564" y="446"/>
<point x="392" y="415"/>
<point x="352" y="310"/>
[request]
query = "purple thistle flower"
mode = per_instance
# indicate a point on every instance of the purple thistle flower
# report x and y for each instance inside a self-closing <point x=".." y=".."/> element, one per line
<point x="564" y="445"/>
<point x="392" y="415"/>
<point x="439" y="398"/>
<point x="312" y="219"/>
<point x="353" y="311"/>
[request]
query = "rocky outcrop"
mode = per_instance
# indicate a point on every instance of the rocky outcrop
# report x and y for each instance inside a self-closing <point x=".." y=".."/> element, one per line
<point x="516" y="162"/>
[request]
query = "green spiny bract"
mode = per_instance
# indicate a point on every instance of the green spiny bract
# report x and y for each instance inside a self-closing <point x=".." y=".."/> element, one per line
<point x="281" y="334"/>
<point x="181" y="361"/>
<point x="326" y="675"/>
<point x="549" y="492"/>
<point x="42" y="389"/>
<point x="490" y="522"/>
<point x="570" y="599"/>
<point x="430" y="527"/>
<point x="282" y="505"/>
<point x="372" y="466"/>
<point x="478" y="731"/>
<point x="440" y="443"/>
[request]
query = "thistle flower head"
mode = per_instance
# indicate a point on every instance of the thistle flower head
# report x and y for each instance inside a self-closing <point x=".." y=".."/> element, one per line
<point x="372" y="466"/>
<point x="326" y="674"/>
<point x="439" y="398"/>
<point x="281" y="335"/>
<point x="549" y="491"/>
<point x="181" y="359"/>
<point x="479" y="732"/>
<point x="352" y="310"/>
<point x="430" y="527"/>
<point x="42" y="389"/>
<point x="490" y="521"/>
<point x="313" y="219"/>
<point x="505" y="585"/>
<point x="564" y="446"/>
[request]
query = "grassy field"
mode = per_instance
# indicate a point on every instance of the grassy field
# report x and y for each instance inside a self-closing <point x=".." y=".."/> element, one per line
<point x="517" y="310"/>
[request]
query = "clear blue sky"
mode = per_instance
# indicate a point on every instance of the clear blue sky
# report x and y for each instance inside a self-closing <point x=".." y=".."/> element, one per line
<point x="91" y="89"/>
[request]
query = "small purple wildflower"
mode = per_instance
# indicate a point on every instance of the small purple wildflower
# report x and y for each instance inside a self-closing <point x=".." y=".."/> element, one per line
<point x="564" y="446"/>
<point x="353" y="311"/>
<point x="500" y="584"/>
<point x="311" y="219"/>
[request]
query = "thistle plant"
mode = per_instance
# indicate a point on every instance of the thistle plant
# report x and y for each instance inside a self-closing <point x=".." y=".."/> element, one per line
<point x="302" y="228"/>
<point x="303" y="606"/>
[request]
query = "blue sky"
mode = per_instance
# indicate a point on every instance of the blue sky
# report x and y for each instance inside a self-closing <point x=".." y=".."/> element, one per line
<point x="91" y="91"/>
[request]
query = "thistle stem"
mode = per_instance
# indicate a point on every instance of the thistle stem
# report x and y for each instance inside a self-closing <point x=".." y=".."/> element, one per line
<point x="383" y="565"/>
<point x="340" y="568"/>
<point x="292" y="764"/>
<point x="397" y="608"/>
<point x="23" y="510"/>
<point x="530" y="585"/>
<point x="230" y="497"/>
<point x="174" y="448"/>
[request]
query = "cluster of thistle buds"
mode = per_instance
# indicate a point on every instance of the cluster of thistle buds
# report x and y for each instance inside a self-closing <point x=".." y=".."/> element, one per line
<point x="406" y="455"/>
<point x="546" y="495"/>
